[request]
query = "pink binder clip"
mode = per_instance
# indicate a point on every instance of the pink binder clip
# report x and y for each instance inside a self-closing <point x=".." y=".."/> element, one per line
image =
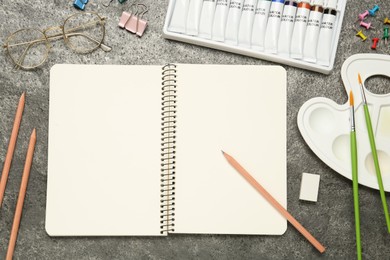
<point x="133" y="22"/>
<point x="124" y="19"/>
<point x="131" y="25"/>
<point x="142" y="24"/>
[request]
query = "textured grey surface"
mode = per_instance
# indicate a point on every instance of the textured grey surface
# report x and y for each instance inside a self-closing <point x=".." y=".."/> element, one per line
<point x="330" y="219"/>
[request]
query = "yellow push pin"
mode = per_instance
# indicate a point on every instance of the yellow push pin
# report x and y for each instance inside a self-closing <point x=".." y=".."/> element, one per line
<point x="361" y="35"/>
<point x="386" y="21"/>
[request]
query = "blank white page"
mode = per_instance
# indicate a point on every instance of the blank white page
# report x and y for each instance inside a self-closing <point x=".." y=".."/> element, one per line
<point x="241" y="110"/>
<point x="104" y="151"/>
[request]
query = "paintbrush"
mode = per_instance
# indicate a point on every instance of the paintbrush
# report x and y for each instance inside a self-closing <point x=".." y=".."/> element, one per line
<point x="374" y="153"/>
<point x="355" y="182"/>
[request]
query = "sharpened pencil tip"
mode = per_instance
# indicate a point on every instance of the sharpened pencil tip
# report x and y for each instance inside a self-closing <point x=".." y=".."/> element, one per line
<point x="359" y="78"/>
<point x="22" y="97"/>
<point x="223" y="152"/>
<point x="34" y="133"/>
<point x="351" y="100"/>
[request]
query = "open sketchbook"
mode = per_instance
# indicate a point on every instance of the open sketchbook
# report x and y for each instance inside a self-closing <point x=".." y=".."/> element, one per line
<point x="136" y="150"/>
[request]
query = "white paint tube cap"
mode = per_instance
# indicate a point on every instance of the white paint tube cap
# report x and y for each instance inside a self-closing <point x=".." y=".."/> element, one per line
<point x="332" y="4"/>
<point x="318" y="2"/>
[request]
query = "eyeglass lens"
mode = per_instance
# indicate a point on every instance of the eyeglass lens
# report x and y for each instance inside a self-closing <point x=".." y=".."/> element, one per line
<point x="28" y="48"/>
<point x="84" y="32"/>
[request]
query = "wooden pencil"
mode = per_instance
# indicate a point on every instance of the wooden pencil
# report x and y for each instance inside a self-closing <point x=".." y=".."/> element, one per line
<point x="22" y="194"/>
<point x="274" y="203"/>
<point x="11" y="146"/>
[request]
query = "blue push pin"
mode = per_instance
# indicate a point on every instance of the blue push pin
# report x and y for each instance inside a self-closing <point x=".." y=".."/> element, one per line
<point x="80" y="4"/>
<point x="374" y="10"/>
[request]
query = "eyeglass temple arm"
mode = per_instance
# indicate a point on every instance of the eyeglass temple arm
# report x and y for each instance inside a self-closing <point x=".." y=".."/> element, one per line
<point x="84" y="26"/>
<point x="58" y="35"/>
<point x="21" y="59"/>
<point x="103" y="46"/>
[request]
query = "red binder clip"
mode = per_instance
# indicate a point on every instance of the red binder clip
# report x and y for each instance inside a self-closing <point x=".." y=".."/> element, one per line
<point x="133" y="22"/>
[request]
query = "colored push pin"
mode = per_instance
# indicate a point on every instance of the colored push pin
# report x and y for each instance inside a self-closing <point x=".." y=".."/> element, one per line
<point x="374" y="43"/>
<point x="366" y="25"/>
<point x="386" y="21"/>
<point x="373" y="10"/>
<point x="363" y="15"/>
<point x="361" y="35"/>
<point x="385" y="34"/>
<point x="80" y="4"/>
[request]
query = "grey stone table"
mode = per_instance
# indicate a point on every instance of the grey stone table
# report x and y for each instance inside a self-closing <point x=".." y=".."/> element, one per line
<point x="330" y="219"/>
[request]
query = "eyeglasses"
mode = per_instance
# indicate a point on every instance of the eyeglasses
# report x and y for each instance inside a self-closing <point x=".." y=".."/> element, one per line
<point x="82" y="32"/>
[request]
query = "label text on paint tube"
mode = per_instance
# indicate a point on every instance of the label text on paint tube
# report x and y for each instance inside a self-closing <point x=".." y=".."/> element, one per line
<point x="301" y="18"/>
<point x="222" y="2"/>
<point x="327" y="25"/>
<point x="261" y="11"/>
<point x="248" y="7"/>
<point x="313" y="22"/>
<point x="276" y="14"/>
<point x="234" y="4"/>
<point x="288" y="18"/>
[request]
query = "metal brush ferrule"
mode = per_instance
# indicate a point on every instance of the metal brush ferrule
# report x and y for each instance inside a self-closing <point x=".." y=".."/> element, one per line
<point x="363" y="94"/>
<point x="352" y="119"/>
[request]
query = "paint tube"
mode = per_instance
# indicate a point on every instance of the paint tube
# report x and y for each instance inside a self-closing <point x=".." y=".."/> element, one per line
<point x="179" y="16"/>
<point x="193" y="17"/>
<point x="260" y="24"/>
<point x="207" y="18"/>
<point x="324" y="48"/>
<point x="312" y="32"/>
<point x="273" y="26"/>
<point x="221" y="13"/>
<point x="233" y="21"/>
<point x="246" y="23"/>
<point x="298" y="35"/>
<point x="286" y="27"/>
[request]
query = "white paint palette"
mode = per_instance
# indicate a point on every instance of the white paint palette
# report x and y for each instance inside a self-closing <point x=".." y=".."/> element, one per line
<point x="325" y="125"/>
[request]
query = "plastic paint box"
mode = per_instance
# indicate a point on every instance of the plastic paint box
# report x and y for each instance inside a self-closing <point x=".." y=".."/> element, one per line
<point x="260" y="54"/>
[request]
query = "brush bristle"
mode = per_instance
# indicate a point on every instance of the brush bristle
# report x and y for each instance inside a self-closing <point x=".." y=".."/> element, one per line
<point x="351" y="100"/>
<point x="359" y="78"/>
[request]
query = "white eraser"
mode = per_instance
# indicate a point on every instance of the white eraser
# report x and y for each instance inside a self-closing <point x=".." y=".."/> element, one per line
<point x="309" y="187"/>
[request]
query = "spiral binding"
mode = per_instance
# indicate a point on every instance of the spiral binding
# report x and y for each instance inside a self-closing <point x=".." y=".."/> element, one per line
<point x="168" y="146"/>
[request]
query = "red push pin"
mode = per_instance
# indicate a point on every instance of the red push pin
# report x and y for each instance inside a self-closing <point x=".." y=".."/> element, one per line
<point x="366" y="25"/>
<point x="374" y="43"/>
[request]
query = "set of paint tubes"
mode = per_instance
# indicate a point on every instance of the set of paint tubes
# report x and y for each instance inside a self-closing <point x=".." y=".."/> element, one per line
<point x="300" y="30"/>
